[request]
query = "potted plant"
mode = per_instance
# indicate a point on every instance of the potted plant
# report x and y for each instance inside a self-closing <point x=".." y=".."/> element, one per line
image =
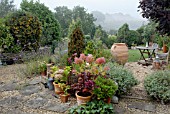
<point x="83" y="90"/>
<point x="65" y="95"/>
<point x="104" y="88"/>
<point x="61" y="76"/>
<point x="165" y="42"/>
<point x="42" y="68"/>
<point x="86" y="70"/>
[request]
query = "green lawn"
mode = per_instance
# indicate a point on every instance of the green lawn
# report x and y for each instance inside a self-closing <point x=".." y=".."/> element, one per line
<point x="134" y="55"/>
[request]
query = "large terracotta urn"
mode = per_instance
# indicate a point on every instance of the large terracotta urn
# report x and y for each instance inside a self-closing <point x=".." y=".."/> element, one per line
<point x="120" y="52"/>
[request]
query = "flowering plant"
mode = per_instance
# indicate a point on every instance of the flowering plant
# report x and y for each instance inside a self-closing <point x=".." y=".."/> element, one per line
<point x="87" y="69"/>
<point x="89" y="65"/>
<point x="60" y="75"/>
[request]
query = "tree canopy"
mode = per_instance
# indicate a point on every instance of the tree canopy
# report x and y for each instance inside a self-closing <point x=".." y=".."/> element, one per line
<point x="65" y="17"/>
<point x="6" y="6"/>
<point x="51" y="27"/>
<point x="159" y="11"/>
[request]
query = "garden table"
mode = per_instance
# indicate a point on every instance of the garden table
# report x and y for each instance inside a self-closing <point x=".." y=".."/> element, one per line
<point x="150" y="51"/>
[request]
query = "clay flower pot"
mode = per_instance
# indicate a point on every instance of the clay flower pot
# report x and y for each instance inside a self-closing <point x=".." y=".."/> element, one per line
<point x="108" y="101"/>
<point x="57" y="89"/>
<point x="43" y="73"/>
<point x="64" y="97"/>
<point x="82" y="98"/>
<point x="165" y="48"/>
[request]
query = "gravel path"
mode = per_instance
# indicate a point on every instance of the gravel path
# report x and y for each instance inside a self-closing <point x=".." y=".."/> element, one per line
<point x="19" y="96"/>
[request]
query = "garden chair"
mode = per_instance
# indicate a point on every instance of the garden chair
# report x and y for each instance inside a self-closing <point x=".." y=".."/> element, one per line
<point x="164" y="57"/>
<point x="156" y="46"/>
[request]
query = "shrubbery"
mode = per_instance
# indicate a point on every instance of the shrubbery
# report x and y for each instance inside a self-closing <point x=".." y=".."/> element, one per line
<point x="6" y="39"/>
<point x="157" y="85"/>
<point x="123" y="77"/>
<point x="25" y="29"/>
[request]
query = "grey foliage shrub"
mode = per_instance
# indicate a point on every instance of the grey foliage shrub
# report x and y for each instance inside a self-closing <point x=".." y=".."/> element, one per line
<point x="123" y="77"/>
<point x="157" y="85"/>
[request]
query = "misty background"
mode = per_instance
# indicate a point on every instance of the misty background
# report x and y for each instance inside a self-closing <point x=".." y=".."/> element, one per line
<point x="110" y="14"/>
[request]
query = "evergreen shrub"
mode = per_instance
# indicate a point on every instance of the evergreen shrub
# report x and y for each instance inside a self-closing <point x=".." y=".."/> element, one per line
<point x="157" y="85"/>
<point x="25" y="29"/>
<point x="123" y="77"/>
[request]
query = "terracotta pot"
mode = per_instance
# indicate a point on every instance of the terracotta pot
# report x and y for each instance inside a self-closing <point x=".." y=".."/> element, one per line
<point x="43" y="73"/>
<point x="82" y="100"/>
<point x="165" y="49"/>
<point x="64" y="98"/>
<point x="108" y="100"/>
<point x="57" y="89"/>
<point x="120" y="52"/>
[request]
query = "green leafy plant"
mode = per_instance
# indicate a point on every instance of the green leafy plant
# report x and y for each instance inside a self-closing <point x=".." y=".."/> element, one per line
<point x="62" y="75"/>
<point x="93" y="107"/>
<point x="42" y="66"/>
<point x="157" y="85"/>
<point x="104" y="87"/>
<point x="66" y="73"/>
<point x="90" y="48"/>
<point x="6" y="39"/>
<point x="123" y="77"/>
<point x="54" y="71"/>
<point x="64" y="87"/>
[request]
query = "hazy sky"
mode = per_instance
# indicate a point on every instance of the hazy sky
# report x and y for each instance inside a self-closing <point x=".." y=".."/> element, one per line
<point x="105" y="6"/>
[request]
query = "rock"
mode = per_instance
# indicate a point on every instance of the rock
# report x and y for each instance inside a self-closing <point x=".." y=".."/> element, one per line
<point x="14" y="101"/>
<point x="115" y="99"/>
<point x="119" y="110"/>
<point x="36" y="103"/>
<point x="46" y="94"/>
<point x="16" y="111"/>
<point x="142" y="106"/>
<point x="57" y="107"/>
<point x="8" y="87"/>
<point x="28" y="90"/>
<point x="36" y="80"/>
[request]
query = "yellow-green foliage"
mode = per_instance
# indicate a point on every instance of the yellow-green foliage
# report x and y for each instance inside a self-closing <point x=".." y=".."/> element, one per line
<point x="25" y="29"/>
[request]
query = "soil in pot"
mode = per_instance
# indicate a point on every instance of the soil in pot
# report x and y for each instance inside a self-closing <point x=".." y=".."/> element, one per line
<point x="83" y="97"/>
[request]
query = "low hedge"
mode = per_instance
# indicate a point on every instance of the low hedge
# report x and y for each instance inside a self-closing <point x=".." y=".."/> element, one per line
<point x="157" y="85"/>
<point x="123" y="77"/>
